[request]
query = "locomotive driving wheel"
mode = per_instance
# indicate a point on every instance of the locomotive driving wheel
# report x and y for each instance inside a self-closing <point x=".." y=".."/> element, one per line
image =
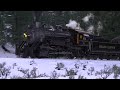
<point x="25" y="54"/>
<point x="32" y="53"/>
<point x="33" y="50"/>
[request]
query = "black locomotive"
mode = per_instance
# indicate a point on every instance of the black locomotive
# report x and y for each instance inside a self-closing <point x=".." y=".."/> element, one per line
<point x="52" y="42"/>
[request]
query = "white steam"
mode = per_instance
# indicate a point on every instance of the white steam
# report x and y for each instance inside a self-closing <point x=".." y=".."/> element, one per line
<point x="90" y="29"/>
<point x="74" y="25"/>
<point x="87" y="18"/>
<point x="100" y="27"/>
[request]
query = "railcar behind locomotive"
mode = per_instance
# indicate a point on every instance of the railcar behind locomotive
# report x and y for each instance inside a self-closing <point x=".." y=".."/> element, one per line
<point x="65" y="42"/>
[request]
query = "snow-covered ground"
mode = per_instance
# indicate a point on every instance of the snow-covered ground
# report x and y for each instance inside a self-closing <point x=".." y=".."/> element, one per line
<point x="47" y="68"/>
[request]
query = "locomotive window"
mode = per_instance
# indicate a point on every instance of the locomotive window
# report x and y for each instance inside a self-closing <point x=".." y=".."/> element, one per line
<point x="81" y="36"/>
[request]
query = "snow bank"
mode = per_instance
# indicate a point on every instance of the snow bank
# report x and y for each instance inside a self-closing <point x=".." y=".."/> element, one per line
<point x="4" y="54"/>
<point x="48" y="67"/>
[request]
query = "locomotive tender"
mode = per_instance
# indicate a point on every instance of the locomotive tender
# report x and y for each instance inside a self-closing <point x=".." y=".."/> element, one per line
<point x="56" y="42"/>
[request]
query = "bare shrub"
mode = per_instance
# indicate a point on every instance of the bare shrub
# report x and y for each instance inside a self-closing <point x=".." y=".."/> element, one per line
<point x="17" y="77"/>
<point x="2" y="65"/>
<point x="43" y="75"/>
<point x="60" y="66"/>
<point x="99" y="78"/>
<point x="54" y="75"/>
<point x="81" y="77"/>
<point x="71" y="72"/>
<point x="14" y="64"/>
<point x="32" y="62"/>
<point x="116" y="71"/>
<point x="77" y="66"/>
<point x="84" y="67"/>
<point x="71" y="77"/>
<point x="33" y="72"/>
<point x="91" y="70"/>
<point x="4" y="71"/>
<point x="29" y="74"/>
<point x="104" y="73"/>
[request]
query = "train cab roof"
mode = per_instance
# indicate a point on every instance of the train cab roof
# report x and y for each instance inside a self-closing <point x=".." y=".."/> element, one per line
<point x="92" y="36"/>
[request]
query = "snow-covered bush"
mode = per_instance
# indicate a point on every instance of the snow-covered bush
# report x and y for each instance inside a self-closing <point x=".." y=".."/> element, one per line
<point x="54" y="75"/>
<point x="77" y="66"/>
<point x="71" y="77"/>
<point x="71" y="72"/>
<point x="81" y="77"/>
<point x="4" y="71"/>
<point x="43" y="75"/>
<point x="33" y="72"/>
<point x="104" y="73"/>
<point x="60" y="66"/>
<point x="84" y="67"/>
<point x="14" y="64"/>
<point x="17" y="77"/>
<point x="29" y="74"/>
<point x="91" y="70"/>
<point x="32" y="62"/>
<point x="116" y="71"/>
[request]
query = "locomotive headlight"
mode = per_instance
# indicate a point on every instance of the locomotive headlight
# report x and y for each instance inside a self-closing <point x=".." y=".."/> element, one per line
<point x="25" y="35"/>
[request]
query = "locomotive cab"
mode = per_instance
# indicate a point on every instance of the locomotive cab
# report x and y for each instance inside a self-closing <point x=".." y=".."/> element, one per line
<point x="80" y="37"/>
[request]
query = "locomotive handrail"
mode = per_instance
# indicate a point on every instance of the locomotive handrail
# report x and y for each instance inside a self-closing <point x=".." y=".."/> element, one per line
<point x="117" y="52"/>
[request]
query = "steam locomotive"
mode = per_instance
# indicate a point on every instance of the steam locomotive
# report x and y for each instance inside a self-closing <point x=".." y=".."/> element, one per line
<point x="53" y="42"/>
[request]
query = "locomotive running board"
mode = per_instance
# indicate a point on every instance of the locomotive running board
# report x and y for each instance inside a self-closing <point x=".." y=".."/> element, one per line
<point x="105" y="52"/>
<point x="61" y="53"/>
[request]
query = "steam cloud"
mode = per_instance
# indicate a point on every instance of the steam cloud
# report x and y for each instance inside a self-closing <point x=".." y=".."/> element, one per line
<point x="90" y="29"/>
<point x="74" y="25"/>
<point x="86" y="18"/>
<point x="100" y="27"/>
